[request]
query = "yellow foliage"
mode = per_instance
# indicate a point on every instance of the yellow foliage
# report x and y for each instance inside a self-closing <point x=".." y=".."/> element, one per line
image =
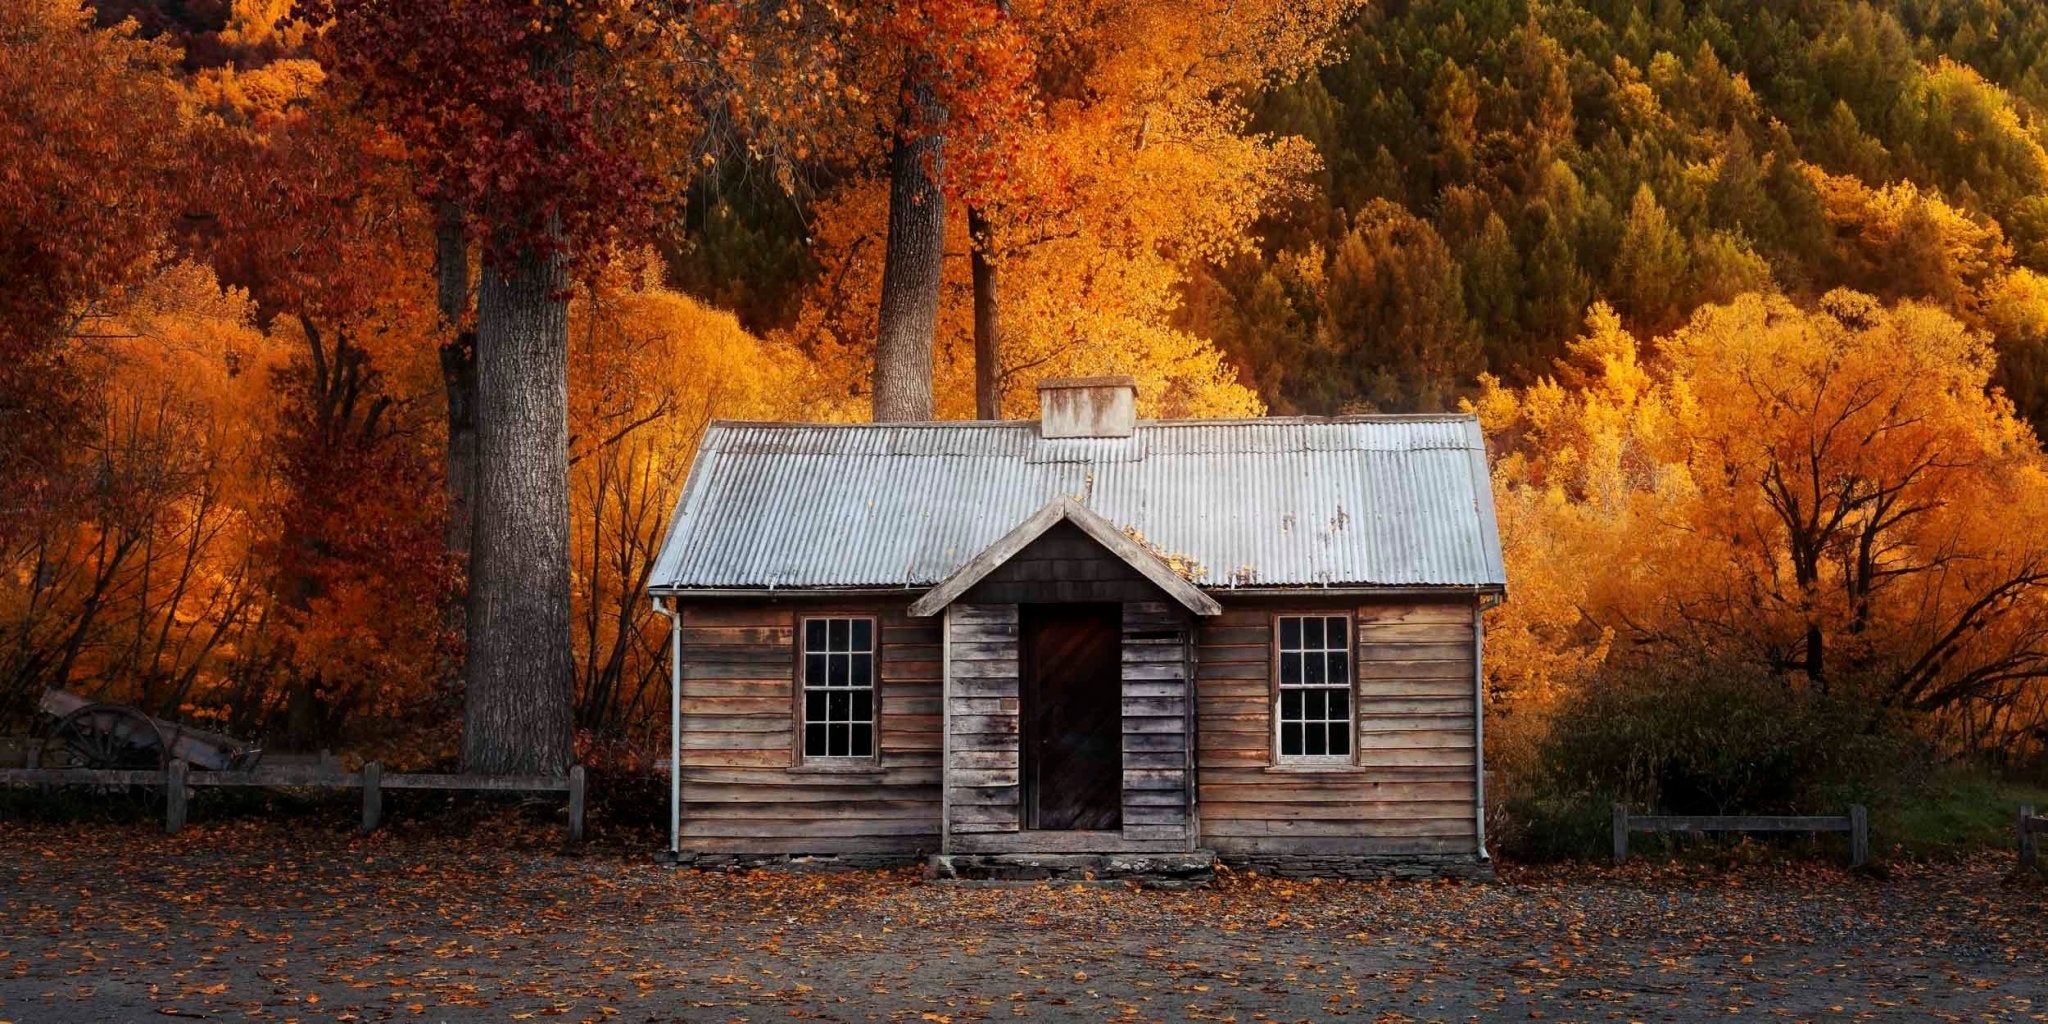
<point x="1831" y="493"/>
<point x="1908" y="242"/>
<point x="649" y="369"/>
<point x="150" y="563"/>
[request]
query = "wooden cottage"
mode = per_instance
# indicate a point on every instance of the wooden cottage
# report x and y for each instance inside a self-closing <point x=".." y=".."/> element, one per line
<point x="1085" y="640"/>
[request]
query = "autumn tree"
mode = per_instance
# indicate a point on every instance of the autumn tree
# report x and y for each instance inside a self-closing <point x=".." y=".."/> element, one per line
<point x="510" y="115"/>
<point x="90" y="129"/>
<point x="649" y="369"/>
<point x="1830" y="492"/>
<point x="561" y="130"/>
<point x="962" y="70"/>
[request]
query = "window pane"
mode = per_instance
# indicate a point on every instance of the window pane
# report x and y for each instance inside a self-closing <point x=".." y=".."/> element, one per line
<point x="1311" y="634"/>
<point x="1290" y="633"/>
<point x="1340" y="737"/>
<point x="814" y="670"/>
<point x="863" y="741"/>
<point x="1340" y="667"/>
<point x="841" y="706"/>
<point x="1290" y="705"/>
<point x="1340" y="705"/>
<point x="1290" y="739"/>
<point x="1312" y="706"/>
<point x="839" y="671"/>
<point x="1312" y="668"/>
<point x="814" y="705"/>
<point x="814" y="740"/>
<point x="863" y="669"/>
<point x="1313" y="737"/>
<point x="1290" y="669"/>
<point x="1335" y="639"/>
<point x="863" y="635"/>
<point x="863" y="706"/>
<point x="839" y="629"/>
<point x="839" y="740"/>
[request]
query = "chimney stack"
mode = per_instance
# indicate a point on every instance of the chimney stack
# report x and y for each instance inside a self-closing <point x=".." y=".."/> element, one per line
<point x="1087" y="407"/>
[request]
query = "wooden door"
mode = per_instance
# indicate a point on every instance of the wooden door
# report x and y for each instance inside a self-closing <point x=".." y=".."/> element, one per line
<point x="1073" y="716"/>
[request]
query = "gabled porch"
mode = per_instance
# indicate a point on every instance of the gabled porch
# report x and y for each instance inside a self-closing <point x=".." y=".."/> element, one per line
<point x="1068" y="704"/>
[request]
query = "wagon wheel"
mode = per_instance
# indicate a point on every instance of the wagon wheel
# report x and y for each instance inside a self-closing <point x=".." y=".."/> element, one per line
<point x="106" y="736"/>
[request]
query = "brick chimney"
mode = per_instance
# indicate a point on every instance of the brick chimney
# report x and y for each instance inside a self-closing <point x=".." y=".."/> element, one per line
<point x="1087" y="407"/>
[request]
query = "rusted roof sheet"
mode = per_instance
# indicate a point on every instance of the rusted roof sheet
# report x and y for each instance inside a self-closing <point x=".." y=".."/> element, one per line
<point x="1395" y="501"/>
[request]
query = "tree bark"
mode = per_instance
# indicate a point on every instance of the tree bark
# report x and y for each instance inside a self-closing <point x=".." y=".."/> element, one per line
<point x="988" y="336"/>
<point x="911" y="266"/>
<point x="458" y="372"/>
<point x="516" y="719"/>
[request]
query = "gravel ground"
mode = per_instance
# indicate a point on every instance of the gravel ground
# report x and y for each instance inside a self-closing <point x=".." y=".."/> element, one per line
<point x="268" y="922"/>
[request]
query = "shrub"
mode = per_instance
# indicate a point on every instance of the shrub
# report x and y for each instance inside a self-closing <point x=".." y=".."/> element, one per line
<point x="1699" y="738"/>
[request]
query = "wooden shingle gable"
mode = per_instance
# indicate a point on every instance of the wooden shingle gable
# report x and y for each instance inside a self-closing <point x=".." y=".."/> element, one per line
<point x="1102" y="531"/>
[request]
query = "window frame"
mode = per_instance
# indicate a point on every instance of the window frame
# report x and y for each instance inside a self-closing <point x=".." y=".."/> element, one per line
<point x="1348" y="759"/>
<point x="799" y="712"/>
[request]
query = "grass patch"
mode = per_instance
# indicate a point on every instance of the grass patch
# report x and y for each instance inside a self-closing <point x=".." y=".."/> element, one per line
<point x="1952" y="812"/>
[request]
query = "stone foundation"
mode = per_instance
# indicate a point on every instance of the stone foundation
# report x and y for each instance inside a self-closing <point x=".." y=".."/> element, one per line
<point x="1157" y="870"/>
<point x="1162" y="870"/>
<point x="796" y="863"/>
<point x="1368" y="868"/>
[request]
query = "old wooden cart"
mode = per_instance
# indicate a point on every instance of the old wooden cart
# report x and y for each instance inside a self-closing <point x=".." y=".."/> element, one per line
<point x="85" y="734"/>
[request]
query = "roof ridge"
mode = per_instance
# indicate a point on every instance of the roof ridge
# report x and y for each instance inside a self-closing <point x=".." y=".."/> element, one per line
<point x="1221" y="421"/>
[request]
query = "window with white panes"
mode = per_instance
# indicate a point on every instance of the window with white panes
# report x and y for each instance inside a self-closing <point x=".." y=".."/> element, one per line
<point x="839" y="689"/>
<point x="1313" y="719"/>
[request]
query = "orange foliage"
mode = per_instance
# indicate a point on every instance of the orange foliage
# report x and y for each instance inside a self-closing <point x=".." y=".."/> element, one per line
<point x="83" y="200"/>
<point x="1833" y="493"/>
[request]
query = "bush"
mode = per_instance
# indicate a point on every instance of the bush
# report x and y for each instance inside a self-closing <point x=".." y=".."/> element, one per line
<point x="1699" y="738"/>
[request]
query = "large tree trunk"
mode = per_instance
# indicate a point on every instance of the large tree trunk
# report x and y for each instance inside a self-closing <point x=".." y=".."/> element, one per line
<point x="519" y="665"/>
<point x="910" y="267"/>
<point x="458" y="371"/>
<point x="988" y="336"/>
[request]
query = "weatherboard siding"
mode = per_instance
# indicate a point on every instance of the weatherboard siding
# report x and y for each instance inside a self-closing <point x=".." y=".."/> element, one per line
<point x="744" y="790"/>
<point x="1412" y="788"/>
<point x="1411" y="791"/>
<point x="984" y="779"/>
<point x="1158" y="719"/>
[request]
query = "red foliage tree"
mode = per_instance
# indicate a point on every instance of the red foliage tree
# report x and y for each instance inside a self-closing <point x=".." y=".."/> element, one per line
<point x="84" y="197"/>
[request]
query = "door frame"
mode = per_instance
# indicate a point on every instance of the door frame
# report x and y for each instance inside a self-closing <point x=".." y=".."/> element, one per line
<point x="1028" y="697"/>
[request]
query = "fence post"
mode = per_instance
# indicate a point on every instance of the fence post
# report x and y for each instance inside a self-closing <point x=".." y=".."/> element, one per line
<point x="373" y="796"/>
<point x="1620" y="833"/>
<point x="1859" y="835"/>
<point x="577" y="782"/>
<point x="2029" y="845"/>
<point x="174" y="798"/>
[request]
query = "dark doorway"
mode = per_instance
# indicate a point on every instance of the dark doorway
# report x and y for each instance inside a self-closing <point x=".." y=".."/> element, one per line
<point x="1073" y="715"/>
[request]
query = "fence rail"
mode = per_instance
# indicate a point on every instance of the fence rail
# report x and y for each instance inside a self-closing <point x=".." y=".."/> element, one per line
<point x="179" y="779"/>
<point x="1856" y="823"/>
<point x="2030" y="828"/>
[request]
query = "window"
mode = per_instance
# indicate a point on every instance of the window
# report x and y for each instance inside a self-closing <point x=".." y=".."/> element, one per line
<point x="839" y="688"/>
<point x="1314" y="718"/>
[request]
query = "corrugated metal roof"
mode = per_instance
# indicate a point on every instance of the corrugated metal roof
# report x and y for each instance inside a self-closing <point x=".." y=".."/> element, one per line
<point x="1351" y="501"/>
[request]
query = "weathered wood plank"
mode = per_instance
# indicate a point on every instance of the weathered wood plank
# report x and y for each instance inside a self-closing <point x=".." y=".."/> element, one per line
<point x="1451" y="827"/>
<point x="1414" y="612"/>
<point x="1451" y="652"/>
<point x="1326" y="809"/>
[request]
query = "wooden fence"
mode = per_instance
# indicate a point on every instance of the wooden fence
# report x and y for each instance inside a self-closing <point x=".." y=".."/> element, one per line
<point x="178" y="781"/>
<point x="1856" y="823"/>
<point x="2030" y="828"/>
